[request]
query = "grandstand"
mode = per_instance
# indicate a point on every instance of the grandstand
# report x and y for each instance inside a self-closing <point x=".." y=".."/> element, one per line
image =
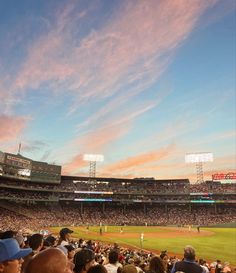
<point x="38" y="192"/>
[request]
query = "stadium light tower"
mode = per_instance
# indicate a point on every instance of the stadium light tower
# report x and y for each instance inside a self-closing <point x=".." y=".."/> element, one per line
<point x="199" y="159"/>
<point x="93" y="159"/>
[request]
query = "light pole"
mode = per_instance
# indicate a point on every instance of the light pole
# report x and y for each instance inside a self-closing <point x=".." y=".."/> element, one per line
<point x="199" y="159"/>
<point x="93" y="159"/>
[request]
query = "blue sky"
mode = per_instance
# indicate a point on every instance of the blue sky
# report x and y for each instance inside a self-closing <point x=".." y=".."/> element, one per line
<point x="142" y="82"/>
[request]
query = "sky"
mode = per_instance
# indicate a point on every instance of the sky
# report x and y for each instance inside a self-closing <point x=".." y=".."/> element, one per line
<point x="142" y="82"/>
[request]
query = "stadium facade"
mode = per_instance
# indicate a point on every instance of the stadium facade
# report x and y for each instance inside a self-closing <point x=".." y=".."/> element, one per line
<point x="25" y="181"/>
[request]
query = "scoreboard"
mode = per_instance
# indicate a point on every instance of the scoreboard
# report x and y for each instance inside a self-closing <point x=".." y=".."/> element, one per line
<point x="24" y="168"/>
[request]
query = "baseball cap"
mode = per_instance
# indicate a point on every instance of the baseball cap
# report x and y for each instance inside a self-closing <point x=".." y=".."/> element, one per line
<point x="64" y="231"/>
<point x="10" y="250"/>
<point x="83" y="257"/>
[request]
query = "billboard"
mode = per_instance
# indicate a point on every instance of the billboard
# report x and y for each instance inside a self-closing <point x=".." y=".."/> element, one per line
<point x="18" y="161"/>
<point x="224" y="177"/>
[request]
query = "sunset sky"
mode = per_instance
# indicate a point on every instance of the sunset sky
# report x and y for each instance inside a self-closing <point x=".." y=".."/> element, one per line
<point x="142" y="82"/>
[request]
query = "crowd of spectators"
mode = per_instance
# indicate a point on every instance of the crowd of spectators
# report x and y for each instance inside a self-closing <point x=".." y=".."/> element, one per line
<point x="213" y="187"/>
<point x="199" y="192"/>
<point x="134" y="187"/>
<point x="35" y="253"/>
<point x="52" y="214"/>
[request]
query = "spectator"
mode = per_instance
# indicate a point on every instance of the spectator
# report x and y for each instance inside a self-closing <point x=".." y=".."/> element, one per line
<point x="20" y="240"/>
<point x="36" y="244"/>
<point x="83" y="260"/>
<point x="97" y="269"/>
<point x="219" y="266"/>
<point x="156" y="265"/>
<point x="70" y="252"/>
<point x="203" y="265"/>
<point x="51" y="260"/>
<point x="65" y="235"/>
<point x="11" y="256"/>
<point x="129" y="268"/>
<point x="51" y="240"/>
<point x="137" y="263"/>
<point x="8" y="234"/>
<point x="113" y="262"/>
<point x="188" y="265"/>
<point x="89" y="245"/>
<point x="165" y="260"/>
<point x="226" y="268"/>
<point x="46" y="245"/>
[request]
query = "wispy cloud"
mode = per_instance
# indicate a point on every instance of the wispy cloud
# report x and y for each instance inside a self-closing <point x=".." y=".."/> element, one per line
<point x="34" y="145"/>
<point x="217" y="137"/>
<point x="74" y="166"/>
<point x="118" y="107"/>
<point x="125" y="52"/>
<point x="219" y="11"/>
<point x="11" y="127"/>
<point x="135" y="162"/>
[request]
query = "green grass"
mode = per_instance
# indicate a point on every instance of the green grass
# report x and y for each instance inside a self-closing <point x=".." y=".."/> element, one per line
<point x="128" y="229"/>
<point x="220" y="245"/>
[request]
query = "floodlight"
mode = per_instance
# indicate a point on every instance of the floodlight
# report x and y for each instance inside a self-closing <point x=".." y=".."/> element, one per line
<point x="93" y="157"/>
<point x="198" y="157"/>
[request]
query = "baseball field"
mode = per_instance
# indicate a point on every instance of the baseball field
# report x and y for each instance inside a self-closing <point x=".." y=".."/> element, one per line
<point x="210" y="243"/>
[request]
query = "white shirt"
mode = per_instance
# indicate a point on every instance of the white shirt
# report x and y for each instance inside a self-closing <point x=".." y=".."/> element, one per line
<point x="64" y="243"/>
<point x="112" y="268"/>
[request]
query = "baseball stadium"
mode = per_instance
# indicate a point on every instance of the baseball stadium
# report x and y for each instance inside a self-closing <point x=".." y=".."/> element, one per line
<point x="143" y="216"/>
<point x="117" y="136"/>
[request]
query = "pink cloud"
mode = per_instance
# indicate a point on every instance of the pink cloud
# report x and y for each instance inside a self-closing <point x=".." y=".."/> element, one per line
<point x="43" y="64"/>
<point x="98" y="140"/>
<point x="126" y="50"/>
<point x="11" y="127"/>
<point x="136" y="162"/>
<point x="130" y="49"/>
<point x="74" y="165"/>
